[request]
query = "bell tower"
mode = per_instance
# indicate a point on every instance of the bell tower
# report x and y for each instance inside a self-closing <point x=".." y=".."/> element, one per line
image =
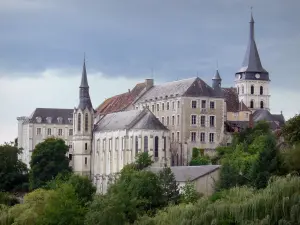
<point x="83" y="121"/>
<point x="252" y="80"/>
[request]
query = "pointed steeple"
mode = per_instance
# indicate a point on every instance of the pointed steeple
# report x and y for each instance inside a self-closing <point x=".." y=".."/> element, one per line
<point x="84" y="95"/>
<point x="252" y="61"/>
<point x="216" y="80"/>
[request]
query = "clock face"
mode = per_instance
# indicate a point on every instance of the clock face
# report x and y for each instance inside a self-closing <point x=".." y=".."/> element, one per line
<point x="257" y="75"/>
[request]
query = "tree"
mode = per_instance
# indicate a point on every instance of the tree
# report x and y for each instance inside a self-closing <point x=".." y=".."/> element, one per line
<point x="291" y="159"/>
<point x="143" y="160"/>
<point x="189" y="193"/>
<point x="198" y="158"/>
<point x="291" y="130"/>
<point x="48" y="160"/>
<point x="13" y="172"/>
<point x="267" y="164"/>
<point x="169" y="186"/>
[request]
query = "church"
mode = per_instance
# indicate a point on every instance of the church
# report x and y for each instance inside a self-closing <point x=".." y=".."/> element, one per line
<point x="166" y="120"/>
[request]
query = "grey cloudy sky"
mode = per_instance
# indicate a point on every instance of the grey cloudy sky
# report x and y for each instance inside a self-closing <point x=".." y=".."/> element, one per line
<point x="42" y="44"/>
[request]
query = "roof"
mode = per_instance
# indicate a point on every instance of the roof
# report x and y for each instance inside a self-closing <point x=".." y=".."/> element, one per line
<point x="120" y="102"/>
<point x="188" y="173"/>
<point x="275" y="120"/>
<point x="84" y="95"/>
<point x="187" y="87"/>
<point x="44" y="113"/>
<point x="231" y="98"/>
<point x="252" y="61"/>
<point x="132" y="119"/>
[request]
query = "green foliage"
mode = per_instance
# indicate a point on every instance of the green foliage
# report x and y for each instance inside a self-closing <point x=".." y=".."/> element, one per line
<point x="267" y="163"/>
<point x="13" y="172"/>
<point x="277" y="204"/>
<point x="291" y="159"/>
<point x="291" y="130"/>
<point x="48" y="159"/>
<point x="169" y="186"/>
<point x="198" y="158"/>
<point x="143" y="160"/>
<point x="8" y="199"/>
<point x="189" y="193"/>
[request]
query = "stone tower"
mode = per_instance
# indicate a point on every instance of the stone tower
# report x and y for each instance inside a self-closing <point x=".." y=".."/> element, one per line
<point x="252" y="80"/>
<point x="83" y="117"/>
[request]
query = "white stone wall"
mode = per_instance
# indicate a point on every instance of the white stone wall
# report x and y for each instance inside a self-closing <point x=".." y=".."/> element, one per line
<point x="29" y="136"/>
<point x="82" y="141"/>
<point x="115" y="149"/>
<point x="244" y="87"/>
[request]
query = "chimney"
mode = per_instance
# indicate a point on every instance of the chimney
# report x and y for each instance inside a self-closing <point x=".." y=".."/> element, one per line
<point x="149" y="83"/>
<point x="251" y="123"/>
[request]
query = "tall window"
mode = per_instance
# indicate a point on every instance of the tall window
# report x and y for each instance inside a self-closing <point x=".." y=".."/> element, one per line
<point x="79" y="122"/>
<point x="261" y="90"/>
<point x="212" y="105"/>
<point x="59" y="132"/>
<point x="203" y="104"/>
<point x="193" y="136"/>
<point x="85" y="146"/>
<point x="202" y="137"/>
<point x="157" y="107"/>
<point x="162" y="106"/>
<point x="168" y="120"/>
<point x="85" y="161"/>
<point x="212" y="121"/>
<point x="163" y="120"/>
<point x="261" y="104"/>
<point x="193" y="119"/>
<point x="202" y="119"/>
<point x="178" y="119"/>
<point x="173" y="105"/>
<point x="238" y="90"/>
<point x="252" y="104"/>
<point x="178" y="136"/>
<point x="173" y="120"/>
<point x="156" y="146"/>
<point x="168" y="105"/>
<point x="243" y="89"/>
<point x="252" y="89"/>
<point x="178" y="104"/>
<point x="86" y="122"/>
<point x="211" y="137"/>
<point x="38" y="131"/>
<point x="145" y="143"/>
<point x="136" y="145"/>
<point x="194" y="104"/>
<point x="49" y="131"/>
<point x="153" y="108"/>
<point x="173" y="136"/>
<point x="70" y="132"/>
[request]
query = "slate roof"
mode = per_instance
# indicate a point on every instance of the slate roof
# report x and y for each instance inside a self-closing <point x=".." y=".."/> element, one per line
<point x="232" y="99"/>
<point x="66" y="114"/>
<point x="84" y="95"/>
<point x="187" y="87"/>
<point x="132" y="119"/>
<point x="188" y="173"/>
<point x="120" y="102"/>
<point x="276" y="121"/>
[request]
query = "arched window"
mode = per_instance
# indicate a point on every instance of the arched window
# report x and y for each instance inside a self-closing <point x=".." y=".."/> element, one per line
<point x="145" y="144"/>
<point x="85" y="146"/>
<point x="252" y="89"/>
<point x="261" y="104"/>
<point x="156" y="147"/>
<point x="261" y="90"/>
<point x="136" y="145"/>
<point x="86" y="122"/>
<point x="252" y="104"/>
<point x="238" y="90"/>
<point x="79" y="122"/>
<point x="243" y="89"/>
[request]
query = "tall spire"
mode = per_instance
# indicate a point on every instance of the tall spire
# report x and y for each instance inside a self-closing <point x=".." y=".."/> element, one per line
<point x="216" y="80"/>
<point x="252" y="61"/>
<point x="84" y="95"/>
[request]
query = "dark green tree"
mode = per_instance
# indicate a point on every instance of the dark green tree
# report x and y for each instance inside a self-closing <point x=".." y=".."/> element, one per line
<point x="143" y="160"/>
<point x="267" y="164"/>
<point x="13" y="172"/>
<point x="169" y="186"/>
<point x="47" y="161"/>
<point x="291" y="130"/>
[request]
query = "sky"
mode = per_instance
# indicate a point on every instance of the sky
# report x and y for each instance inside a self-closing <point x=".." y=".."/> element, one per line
<point x="42" y="44"/>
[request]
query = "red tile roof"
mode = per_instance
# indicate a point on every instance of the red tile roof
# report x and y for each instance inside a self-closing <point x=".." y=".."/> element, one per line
<point x="232" y="100"/>
<point x="120" y="102"/>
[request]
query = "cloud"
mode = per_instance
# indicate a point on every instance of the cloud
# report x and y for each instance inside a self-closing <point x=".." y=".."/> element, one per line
<point x="52" y="89"/>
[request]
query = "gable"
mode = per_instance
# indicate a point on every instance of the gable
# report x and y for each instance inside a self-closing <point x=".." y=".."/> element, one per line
<point x="200" y="88"/>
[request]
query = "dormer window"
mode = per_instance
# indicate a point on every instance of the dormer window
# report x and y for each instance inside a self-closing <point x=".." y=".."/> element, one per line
<point x="49" y="119"/>
<point x="59" y="119"/>
<point x="38" y="119"/>
<point x="70" y="120"/>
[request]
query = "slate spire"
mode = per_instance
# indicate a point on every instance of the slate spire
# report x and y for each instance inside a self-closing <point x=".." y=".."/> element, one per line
<point x="84" y="95"/>
<point x="252" y="61"/>
<point x="216" y="80"/>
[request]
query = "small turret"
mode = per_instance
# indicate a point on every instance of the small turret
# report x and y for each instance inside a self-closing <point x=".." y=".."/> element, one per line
<point x="216" y="80"/>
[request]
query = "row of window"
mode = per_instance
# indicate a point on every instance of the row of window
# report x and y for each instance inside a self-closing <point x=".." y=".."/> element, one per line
<point x="86" y="122"/>
<point x="252" y="104"/>
<point x="211" y="137"/>
<point x="203" y="104"/>
<point x="135" y="144"/>
<point x="261" y="90"/>
<point x="49" y="131"/>
<point x="156" y="107"/>
<point x="202" y="121"/>
<point x="167" y="122"/>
